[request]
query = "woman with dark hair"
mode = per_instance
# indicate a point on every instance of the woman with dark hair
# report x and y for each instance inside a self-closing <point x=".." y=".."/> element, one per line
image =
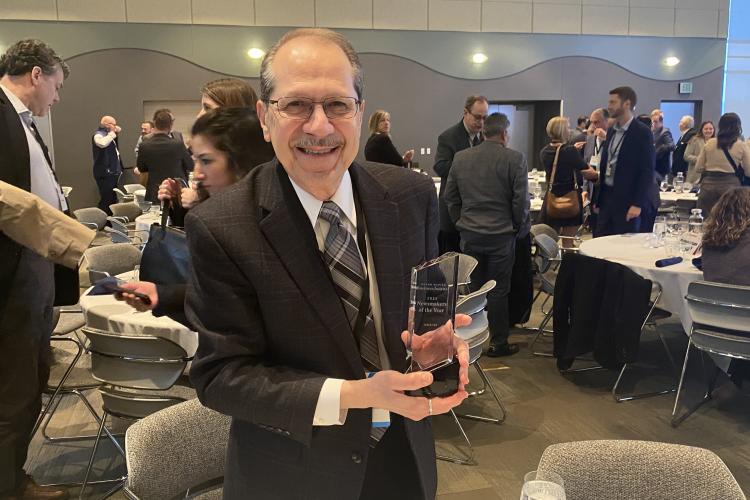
<point x="379" y="146"/>
<point x="695" y="146"/>
<point x="227" y="93"/>
<point x="227" y="143"/>
<point x="726" y="247"/>
<point x="719" y="161"/>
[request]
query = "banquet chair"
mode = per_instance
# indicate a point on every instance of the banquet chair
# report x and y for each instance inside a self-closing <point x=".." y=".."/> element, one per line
<point x="466" y="265"/>
<point x="122" y="197"/>
<point x="475" y="335"/>
<point x="547" y="257"/>
<point x="164" y="461"/>
<point x="91" y="217"/>
<point x="136" y="372"/>
<point x="110" y="259"/>
<point x="721" y="326"/>
<point x="127" y="210"/>
<point x="132" y="188"/>
<point x="638" y="469"/>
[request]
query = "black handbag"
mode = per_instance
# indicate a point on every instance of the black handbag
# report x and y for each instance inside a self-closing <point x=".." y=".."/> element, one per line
<point x="165" y="259"/>
<point x="739" y="172"/>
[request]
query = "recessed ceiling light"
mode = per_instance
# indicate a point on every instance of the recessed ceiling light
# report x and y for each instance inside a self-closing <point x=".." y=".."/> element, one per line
<point x="479" y="58"/>
<point x="671" y="61"/>
<point x="255" y="53"/>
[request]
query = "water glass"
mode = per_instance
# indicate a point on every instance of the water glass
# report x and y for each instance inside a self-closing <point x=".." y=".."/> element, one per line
<point x="135" y="276"/>
<point x="540" y="485"/>
<point x="660" y="229"/>
<point x="664" y="186"/>
<point x="672" y="245"/>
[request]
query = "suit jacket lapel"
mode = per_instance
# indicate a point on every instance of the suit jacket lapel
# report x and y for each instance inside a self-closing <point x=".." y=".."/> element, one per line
<point x="381" y="217"/>
<point x="17" y="145"/>
<point x="289" y="232"/>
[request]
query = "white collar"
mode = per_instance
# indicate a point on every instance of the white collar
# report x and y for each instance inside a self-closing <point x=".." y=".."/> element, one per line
<point x="343" y="197"/>
<point x="625" y="127"/>
<point x="18" y="105"/>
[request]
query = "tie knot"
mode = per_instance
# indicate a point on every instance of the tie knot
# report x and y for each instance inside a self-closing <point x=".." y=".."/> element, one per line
<point x="26" y="117"/>
<point x="331" y="213"/>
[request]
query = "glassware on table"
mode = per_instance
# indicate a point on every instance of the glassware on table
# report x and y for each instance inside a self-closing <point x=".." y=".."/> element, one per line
<point x="541" y="485"/>
<point x="533" y="186"/>
<point x="679" y="183"/>
<point x="144" y="205"/>
<point x="672" y="245"/>
<point x="660" y="229"/>
<point x="136" y="274"/>
<point x="695" y="222"/>
<point x="664" y="186"/>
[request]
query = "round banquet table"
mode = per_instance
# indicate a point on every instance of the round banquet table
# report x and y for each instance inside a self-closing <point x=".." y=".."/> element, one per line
<point x="144" y="222"/>
<point x="673" y="196"/>
<point x="630" y="250"/>
<point x="106" y="313"/>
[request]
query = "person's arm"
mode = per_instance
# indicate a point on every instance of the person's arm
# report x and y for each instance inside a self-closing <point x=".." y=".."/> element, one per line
<point x="452" y="196"/>
<point x="31" y="222"/>
<point x="645" y="162"/>
<point x="443" y="157"/>
<point x="389" y="153"/>
<point x="692" y="150"/>
<point x="666" y="144"/>
<point x="140" y="161"/>
<point x="520" y="200"/>
<point x="104" y="140"/>
<point x="578" y="163"/>
<point x="700" y="163"/>
<point x="744" y="162"/>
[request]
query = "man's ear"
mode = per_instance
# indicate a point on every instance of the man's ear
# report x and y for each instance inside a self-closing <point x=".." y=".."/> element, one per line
<point x="261" y="110"/>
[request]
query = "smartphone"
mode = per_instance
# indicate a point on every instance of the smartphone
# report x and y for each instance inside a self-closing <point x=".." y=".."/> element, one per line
<point x="444" y="382"/>
<point x="111" y="285"/>
<point x="118" y="290"/>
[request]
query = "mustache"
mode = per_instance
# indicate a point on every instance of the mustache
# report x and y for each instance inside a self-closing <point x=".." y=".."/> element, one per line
<point x="329" y="141"/>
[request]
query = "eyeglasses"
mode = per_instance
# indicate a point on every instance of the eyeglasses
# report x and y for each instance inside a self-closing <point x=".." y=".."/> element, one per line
<point x="479" y="118"/>
<point x="301" y="108"/>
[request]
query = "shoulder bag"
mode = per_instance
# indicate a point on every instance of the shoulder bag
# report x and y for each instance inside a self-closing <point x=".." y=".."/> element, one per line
<point x="738" y="171"/>
<point x="165" y="258"/>
<point x="565" y="206"/>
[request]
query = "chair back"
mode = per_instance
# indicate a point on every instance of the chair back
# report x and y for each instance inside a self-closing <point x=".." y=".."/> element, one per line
<point x="92" y="215"/>
<point x="164" y="461"/>
<point x="132" y="188"/>
<point x="721" y="318"/>
<point x="466" y="264"/>
<point x="112" y="259"/>
<point x="547" y="251"/>
<point x="538" y="229"/>
<point x="134" y="361"/>
<point x="122" y="197"/>
<point x="476" y="301"/>
<point x="129" y="210"/>
<point x="639" y="469"/>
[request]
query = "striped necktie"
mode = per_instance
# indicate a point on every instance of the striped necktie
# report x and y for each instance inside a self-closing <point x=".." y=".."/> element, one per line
<point x="344" y="260"/>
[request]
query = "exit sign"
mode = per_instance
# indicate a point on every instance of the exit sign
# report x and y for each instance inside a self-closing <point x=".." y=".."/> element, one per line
<point x="686" y="87"/>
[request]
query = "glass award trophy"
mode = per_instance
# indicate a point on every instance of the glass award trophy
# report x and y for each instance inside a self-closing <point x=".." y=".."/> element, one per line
<point x="432" y="303"/>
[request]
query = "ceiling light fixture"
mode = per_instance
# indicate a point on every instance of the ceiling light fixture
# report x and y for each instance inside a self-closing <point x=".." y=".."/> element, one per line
<point x="255" y="53"/>
<point x="671" y="61"/>
<point x="479" y="58"/>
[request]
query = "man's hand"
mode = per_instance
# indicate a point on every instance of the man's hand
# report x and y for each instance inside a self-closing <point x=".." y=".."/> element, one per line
<point x="600" y="133"/>
<point x="144" y="287"/>
<point x="408" y="155"/>
<point x="580" y="144"/>
<point x="633" y="212"/>
<point x="169" y="190"/>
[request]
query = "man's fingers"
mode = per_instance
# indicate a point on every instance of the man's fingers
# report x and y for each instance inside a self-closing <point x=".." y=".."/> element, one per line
<point x="462" y="320"/>
<point x="444" y="405"/>
<point x="410" y="381"/>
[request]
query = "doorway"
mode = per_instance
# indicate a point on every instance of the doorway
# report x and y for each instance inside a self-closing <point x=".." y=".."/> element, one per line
<point x="675" y="110"/>
<point x="528" y="121"/>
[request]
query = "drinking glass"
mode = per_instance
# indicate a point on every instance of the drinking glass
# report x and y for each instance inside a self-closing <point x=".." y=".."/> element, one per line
<point x="538" y="191"/>
<point x="664" y="186"/>
<point x="672" y="245"/>
<point x="135" y="276"/>
<point x="540" y="485"/>
<point x="660" y="229"/>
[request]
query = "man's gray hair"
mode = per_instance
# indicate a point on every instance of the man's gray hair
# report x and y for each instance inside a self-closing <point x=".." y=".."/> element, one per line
<point x="496" y="124"/>
<point x="689" y="120"/>
<point x="266" y="67"/>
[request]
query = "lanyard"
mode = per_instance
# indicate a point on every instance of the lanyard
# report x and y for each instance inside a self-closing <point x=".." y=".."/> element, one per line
<point x="615" y="152"/>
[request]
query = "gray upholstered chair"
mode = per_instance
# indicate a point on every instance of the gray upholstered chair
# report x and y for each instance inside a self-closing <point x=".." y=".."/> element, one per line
<point x="91" y="217"/>
<point x="613" y="469"/>
<point x="132" y="188"/>
<point x="164" y="461"/>
<point x="128" y="210"/>
<point x="547" y="257"/>
<point x="122" y="197"/>
<point x="721" y="326"/>
<point x="110" y="259"/>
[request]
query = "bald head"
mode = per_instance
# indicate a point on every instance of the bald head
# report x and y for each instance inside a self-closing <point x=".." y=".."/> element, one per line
<point x="109" y="123"/>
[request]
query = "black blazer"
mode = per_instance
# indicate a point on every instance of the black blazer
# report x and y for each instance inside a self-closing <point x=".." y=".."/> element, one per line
<point x="380" y="149"/>
<point x="634" y="176"/>
<point x="664" y="145"/>
<point x="678" y="157"/>
<point x="272" y="328"/>
<point x="162" y="157"/>
<point x="14" y="169"/>
<point x="450" y="142"/>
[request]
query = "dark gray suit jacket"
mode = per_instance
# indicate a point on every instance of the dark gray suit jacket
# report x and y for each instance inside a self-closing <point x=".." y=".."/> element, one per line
<point x="272" y="328"/>
<point x="450" y="142"/>
<point x="162" y="157"/>
<point x="488" y="190"/>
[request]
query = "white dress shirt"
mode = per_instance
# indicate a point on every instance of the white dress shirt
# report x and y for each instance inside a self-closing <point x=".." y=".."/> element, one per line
<point x="43" y="183"/>
<point x="328" y="410"/>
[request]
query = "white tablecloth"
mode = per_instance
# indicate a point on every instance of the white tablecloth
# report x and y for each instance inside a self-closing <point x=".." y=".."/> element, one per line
<point x="630" y="250"/>
<point x="144" y="222"/>
<point x="672" y="196"/>
<point x="105" y="312"/>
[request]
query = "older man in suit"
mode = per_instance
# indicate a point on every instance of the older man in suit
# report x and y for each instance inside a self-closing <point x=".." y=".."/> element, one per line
<point x="487" y="198"/>
<point x="626" y="173"/>
<point x="31" y="75"/>
<point x="465" y="134"/>
<point x="301" y="274"/>
<point x="687" y="132"/>
<point x="663" y="145"/>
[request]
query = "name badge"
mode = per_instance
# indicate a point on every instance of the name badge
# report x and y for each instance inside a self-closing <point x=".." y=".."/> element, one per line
<point x="594" y="161"/>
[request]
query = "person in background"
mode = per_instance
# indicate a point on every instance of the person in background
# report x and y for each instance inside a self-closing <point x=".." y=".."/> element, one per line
<point x="717" y="161"/>
<point x="687" y="132"/>
<point x="488" y="200"/>
<point x="227" y="93"/>
<point x="107" y="163"/>
<point x="31" y="76"/>
<point x="663" y="145"/>
<point x="581" y="131"/>
<point x="570" y="171"/>
<point x="592" y="154"/>
<point x="379" y="146"/>
<point x="627" y="170"/>
<point x="705" y="132"/>
<point x="162" y="156"/>
<point x="147" y="127"/>
<point x="227" y="144"/>
<point x="726" y="247"/>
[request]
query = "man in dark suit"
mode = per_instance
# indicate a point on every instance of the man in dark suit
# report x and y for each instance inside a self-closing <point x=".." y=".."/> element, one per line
<point x="592" y="154"/>
<point x="663" y="144"/>
<point x="687" y="132"/>
<point x="107" y="163"/>
<point x="31" y="75"/>
<point x="465" y="134"/>
<point x="488" y="200"/>
<point x="161" y="156"/>
<point x="626" y="174"/>
<point x="285" y="263"/>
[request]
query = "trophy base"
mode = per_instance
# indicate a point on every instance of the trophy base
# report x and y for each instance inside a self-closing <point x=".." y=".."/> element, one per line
<point x="444" y="381"/>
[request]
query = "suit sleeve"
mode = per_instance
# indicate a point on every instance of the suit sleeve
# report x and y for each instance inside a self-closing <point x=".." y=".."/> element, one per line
<point x="645" y="164"/>
<point x="443" y="156"/>
<point x="520" y="201"/>
<point x="140" y="161"/>
<point x="232" y="372"/>
<point x="452" y="196"/>
<point x="666" y="144"/>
